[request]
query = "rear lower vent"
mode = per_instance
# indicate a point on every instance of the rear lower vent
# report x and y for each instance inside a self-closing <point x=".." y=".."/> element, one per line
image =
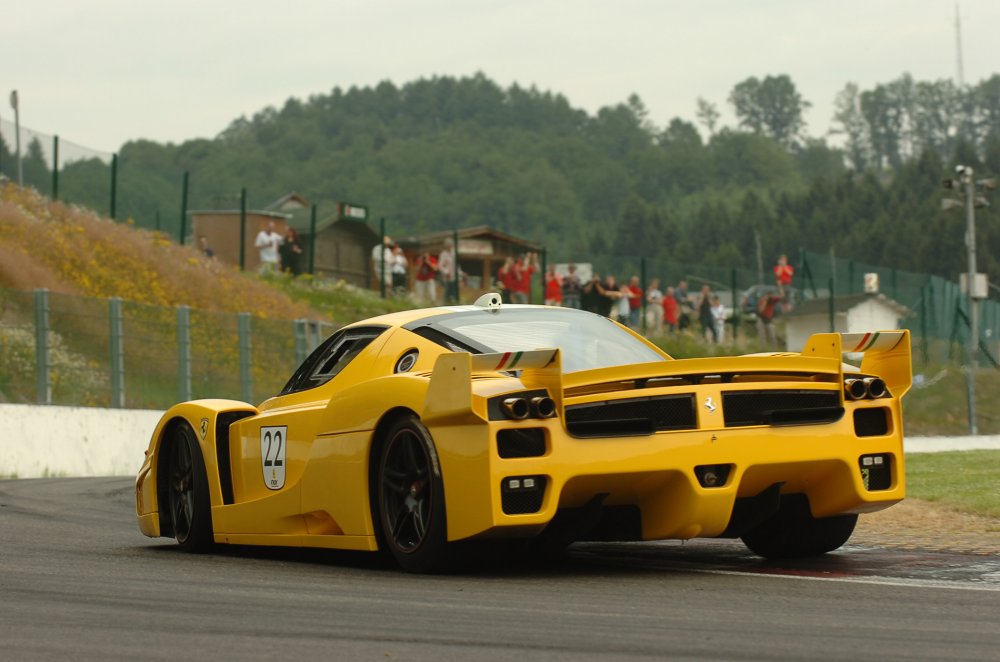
<point x="781" y="407"/>
<point x="521" y="495"/>
<point x="521" y="442"/>
<point x="871" y="421"/>
<point x="632" y="417"/>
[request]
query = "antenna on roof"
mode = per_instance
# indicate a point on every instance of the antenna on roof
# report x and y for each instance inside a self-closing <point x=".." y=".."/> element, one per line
<point x="958" y="47"/>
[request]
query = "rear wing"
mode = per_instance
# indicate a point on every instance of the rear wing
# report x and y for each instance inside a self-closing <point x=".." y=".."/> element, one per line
<point x="886" y="354"/>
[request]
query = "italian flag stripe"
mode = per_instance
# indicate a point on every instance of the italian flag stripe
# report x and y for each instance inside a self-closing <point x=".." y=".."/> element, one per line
<point x="517" y="357"/>
<point x="861" y="345"/>
<point x="503" y="359"/>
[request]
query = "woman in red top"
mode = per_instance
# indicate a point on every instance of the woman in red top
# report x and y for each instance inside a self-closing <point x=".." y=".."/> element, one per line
<point x="553" y="287"/>
<point x="670" y="309"/>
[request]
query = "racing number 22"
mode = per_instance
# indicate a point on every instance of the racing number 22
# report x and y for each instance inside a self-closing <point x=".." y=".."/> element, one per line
<point x="272" y="455"/>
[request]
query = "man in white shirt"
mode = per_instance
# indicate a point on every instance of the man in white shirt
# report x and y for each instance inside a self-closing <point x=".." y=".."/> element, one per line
<point x="446" y="270"/>
<point x="268" y="241"/>
<point x="382" y="261"/>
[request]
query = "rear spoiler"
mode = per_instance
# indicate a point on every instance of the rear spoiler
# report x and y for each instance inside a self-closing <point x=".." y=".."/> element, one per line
<point x="885" y="354"/>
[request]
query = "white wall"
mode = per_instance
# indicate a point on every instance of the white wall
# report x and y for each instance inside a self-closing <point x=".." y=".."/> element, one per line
<point x="38" y="441"/>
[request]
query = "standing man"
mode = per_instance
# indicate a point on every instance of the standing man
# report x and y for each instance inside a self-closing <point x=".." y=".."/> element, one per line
<point x="446" y="269"/>
<point x="268" y="240"/>
<point x="571" y="288"/>
<point x="783" y="273"/>
<point x="634" y="302"/>
<point x="382" y="261"/>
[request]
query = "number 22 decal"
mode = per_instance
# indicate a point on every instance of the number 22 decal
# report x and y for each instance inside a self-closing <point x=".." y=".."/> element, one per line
<point x="273" y="441"/>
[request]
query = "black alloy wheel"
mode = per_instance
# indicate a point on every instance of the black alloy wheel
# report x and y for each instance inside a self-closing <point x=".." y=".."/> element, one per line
<point x="410" y="495"/>
<point x="187" y="490"/>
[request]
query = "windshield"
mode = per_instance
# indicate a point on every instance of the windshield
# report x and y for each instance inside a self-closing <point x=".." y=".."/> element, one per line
<point x="587" y="340"/>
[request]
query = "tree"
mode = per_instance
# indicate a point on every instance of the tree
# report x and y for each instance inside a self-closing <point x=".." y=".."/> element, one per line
<point x="707" y="114"/>
<point x="848" y="115"/>
<point x="772" y="106"/>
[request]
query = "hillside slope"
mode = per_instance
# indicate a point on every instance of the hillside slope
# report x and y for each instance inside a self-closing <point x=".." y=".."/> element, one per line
<point x="71" y="250"/>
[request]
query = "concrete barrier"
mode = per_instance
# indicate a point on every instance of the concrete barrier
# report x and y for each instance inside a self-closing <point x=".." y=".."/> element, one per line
<point x="37" y="441"/>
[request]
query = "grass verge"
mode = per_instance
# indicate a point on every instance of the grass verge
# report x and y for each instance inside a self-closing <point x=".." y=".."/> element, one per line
<point x="965" y="480"/>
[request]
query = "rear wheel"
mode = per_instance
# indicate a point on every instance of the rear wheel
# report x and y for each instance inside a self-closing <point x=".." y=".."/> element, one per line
<point x="187" y="492"/>
<point x="794" y="532"/>
<point x="409" y="498"/>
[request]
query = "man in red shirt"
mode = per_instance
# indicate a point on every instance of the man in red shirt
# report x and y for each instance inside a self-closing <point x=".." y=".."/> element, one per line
<point x="553" y="287"/>
<point x="524" y="268"/>
<point x="670" y="310"/>
<point x="634" y="302"/>
<point x="783" y="273"/>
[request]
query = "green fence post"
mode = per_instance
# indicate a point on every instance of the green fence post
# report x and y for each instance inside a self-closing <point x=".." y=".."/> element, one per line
<point x="184" y="208"/>
<point x="312" y="241"/>
<point x="923" y="325"/>
<point x="246" y="377"/>
<point x="55" y="167"/>
<point x="850" y="277"/>
<point x="184" y="352"/>
<point x="381" y="256"/>
<point x="832" y="312"/>
<point x="42" y="367"/>
<point x="456" y="286"/>
<point x="642" y="285"/>
<point x="301" y="346"/>
<point x="736" y="305"/>
<point x="243" y="228"/>
<point x="117" y="338"/>
<point x="114" y="185"/>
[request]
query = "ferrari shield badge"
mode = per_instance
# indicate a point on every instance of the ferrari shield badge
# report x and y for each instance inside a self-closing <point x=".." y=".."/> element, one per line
<point x="272" y="455"/>
<point x="204" y="428"/>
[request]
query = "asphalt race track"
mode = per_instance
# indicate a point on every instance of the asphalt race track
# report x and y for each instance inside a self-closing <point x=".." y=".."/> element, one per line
<point x="78" y="581"/>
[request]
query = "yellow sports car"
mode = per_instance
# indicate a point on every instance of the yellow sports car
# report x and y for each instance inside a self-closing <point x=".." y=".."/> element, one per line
<point x="409" y="432"/>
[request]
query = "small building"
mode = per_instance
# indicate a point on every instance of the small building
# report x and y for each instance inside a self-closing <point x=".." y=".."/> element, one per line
<point x="852" y="313"/>
<point x="482" y="250"/>
<point x="221" y="228"/>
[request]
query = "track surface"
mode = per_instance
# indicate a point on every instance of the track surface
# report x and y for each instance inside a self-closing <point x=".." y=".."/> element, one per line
<point x="78" y="580"/>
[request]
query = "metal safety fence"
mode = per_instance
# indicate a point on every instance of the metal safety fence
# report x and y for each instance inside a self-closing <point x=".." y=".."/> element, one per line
<point x="72" y="350"/>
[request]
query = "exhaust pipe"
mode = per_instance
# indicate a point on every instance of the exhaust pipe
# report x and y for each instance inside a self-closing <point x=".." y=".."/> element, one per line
<point x="516" y="408"/>
<point x="855" y="389"/>
<point x="875" y="387"/>
<point x="543" y="406"/>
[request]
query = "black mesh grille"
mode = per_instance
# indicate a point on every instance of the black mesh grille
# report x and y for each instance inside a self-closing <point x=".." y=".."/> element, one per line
<point x="521" y="442"/>
<point x="635" y="416"/>
<point x="785" y="407"/>
<point x="522" y="500"/>
<point x="871" y="422"/>
<point x="876" y="472"/>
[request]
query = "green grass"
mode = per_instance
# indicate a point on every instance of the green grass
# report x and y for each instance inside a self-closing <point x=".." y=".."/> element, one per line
<point x="965" y="480"/>
<point x="940" y="407"/>
<point x="339" y="301"/>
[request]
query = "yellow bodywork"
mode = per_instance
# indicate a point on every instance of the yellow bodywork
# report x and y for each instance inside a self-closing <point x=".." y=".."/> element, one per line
<point x="324" y="499"/>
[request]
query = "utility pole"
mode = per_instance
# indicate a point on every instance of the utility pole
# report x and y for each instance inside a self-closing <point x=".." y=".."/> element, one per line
<point x="975" y="288"/>
<point x="17" y="134"/>
<point x="958" y="48"/>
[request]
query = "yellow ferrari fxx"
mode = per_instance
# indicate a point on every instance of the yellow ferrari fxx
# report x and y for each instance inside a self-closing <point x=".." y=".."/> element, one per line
<point x="412" y="431"/>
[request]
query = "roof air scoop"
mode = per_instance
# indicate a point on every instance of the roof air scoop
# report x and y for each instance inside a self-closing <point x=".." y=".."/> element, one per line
<point x="490" y="301"/>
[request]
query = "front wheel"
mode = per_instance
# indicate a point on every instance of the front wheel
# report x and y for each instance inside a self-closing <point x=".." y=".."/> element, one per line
<point x="793" y="531"/>
<point x="409" y="498"/>
<point x="187" y="492"/>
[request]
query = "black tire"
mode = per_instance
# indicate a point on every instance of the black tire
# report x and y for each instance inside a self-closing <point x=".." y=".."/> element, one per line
<point x="188" y="504"/>
<point x="408" y="501"/>
<point x="793" y="532"/>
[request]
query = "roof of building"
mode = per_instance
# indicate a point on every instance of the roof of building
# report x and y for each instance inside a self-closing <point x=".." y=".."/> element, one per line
<point x="843" y="303"/>
<point x="469" y="233"/>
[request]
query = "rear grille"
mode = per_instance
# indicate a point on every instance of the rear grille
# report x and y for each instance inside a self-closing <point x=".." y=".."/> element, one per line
<point x="521" y="442"/>
<point x="632" y="417"/>
<point x="784" y="407"/>
<point x="871" y="422"/>
<point x="522" y="500"/>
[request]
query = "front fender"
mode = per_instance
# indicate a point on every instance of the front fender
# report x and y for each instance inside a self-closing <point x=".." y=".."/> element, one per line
<point x="211" y="430"/>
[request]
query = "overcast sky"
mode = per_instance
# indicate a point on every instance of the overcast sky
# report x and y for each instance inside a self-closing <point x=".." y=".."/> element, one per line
<point x="102" y="72"/>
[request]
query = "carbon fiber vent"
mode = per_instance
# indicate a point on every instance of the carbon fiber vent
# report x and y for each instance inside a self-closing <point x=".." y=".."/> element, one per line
<point x="632" y="417"/>
<point x="781" y="407"/>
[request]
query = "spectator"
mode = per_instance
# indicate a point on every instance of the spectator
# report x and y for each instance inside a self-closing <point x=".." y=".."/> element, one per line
<point x="205" y="248"/>
<point x="705" y="317"/>
<point x="400" y="267"/>
<point x="524" y="268"/>
<point x="633" y="294"/>
<point x="571" y="288"/>
<point x="654" y="308"/>
<point x="783" y="273"/>
<point x="670" y="310"/>
<point x="382" y="261"/>
<point x="719" y="315"/>
<point x="291" y="252"/>
<point x="685" y="308"/>
<point x="591" y="299"/>
<point x="611" y="293"/>
<point x="553" y="287"/>
<point x="767" y="306"/>
<point x="268" y="241"/>
<point x="427" y="268"/>
<point x="505" y="278"/>
<point x="447" y="271"/>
